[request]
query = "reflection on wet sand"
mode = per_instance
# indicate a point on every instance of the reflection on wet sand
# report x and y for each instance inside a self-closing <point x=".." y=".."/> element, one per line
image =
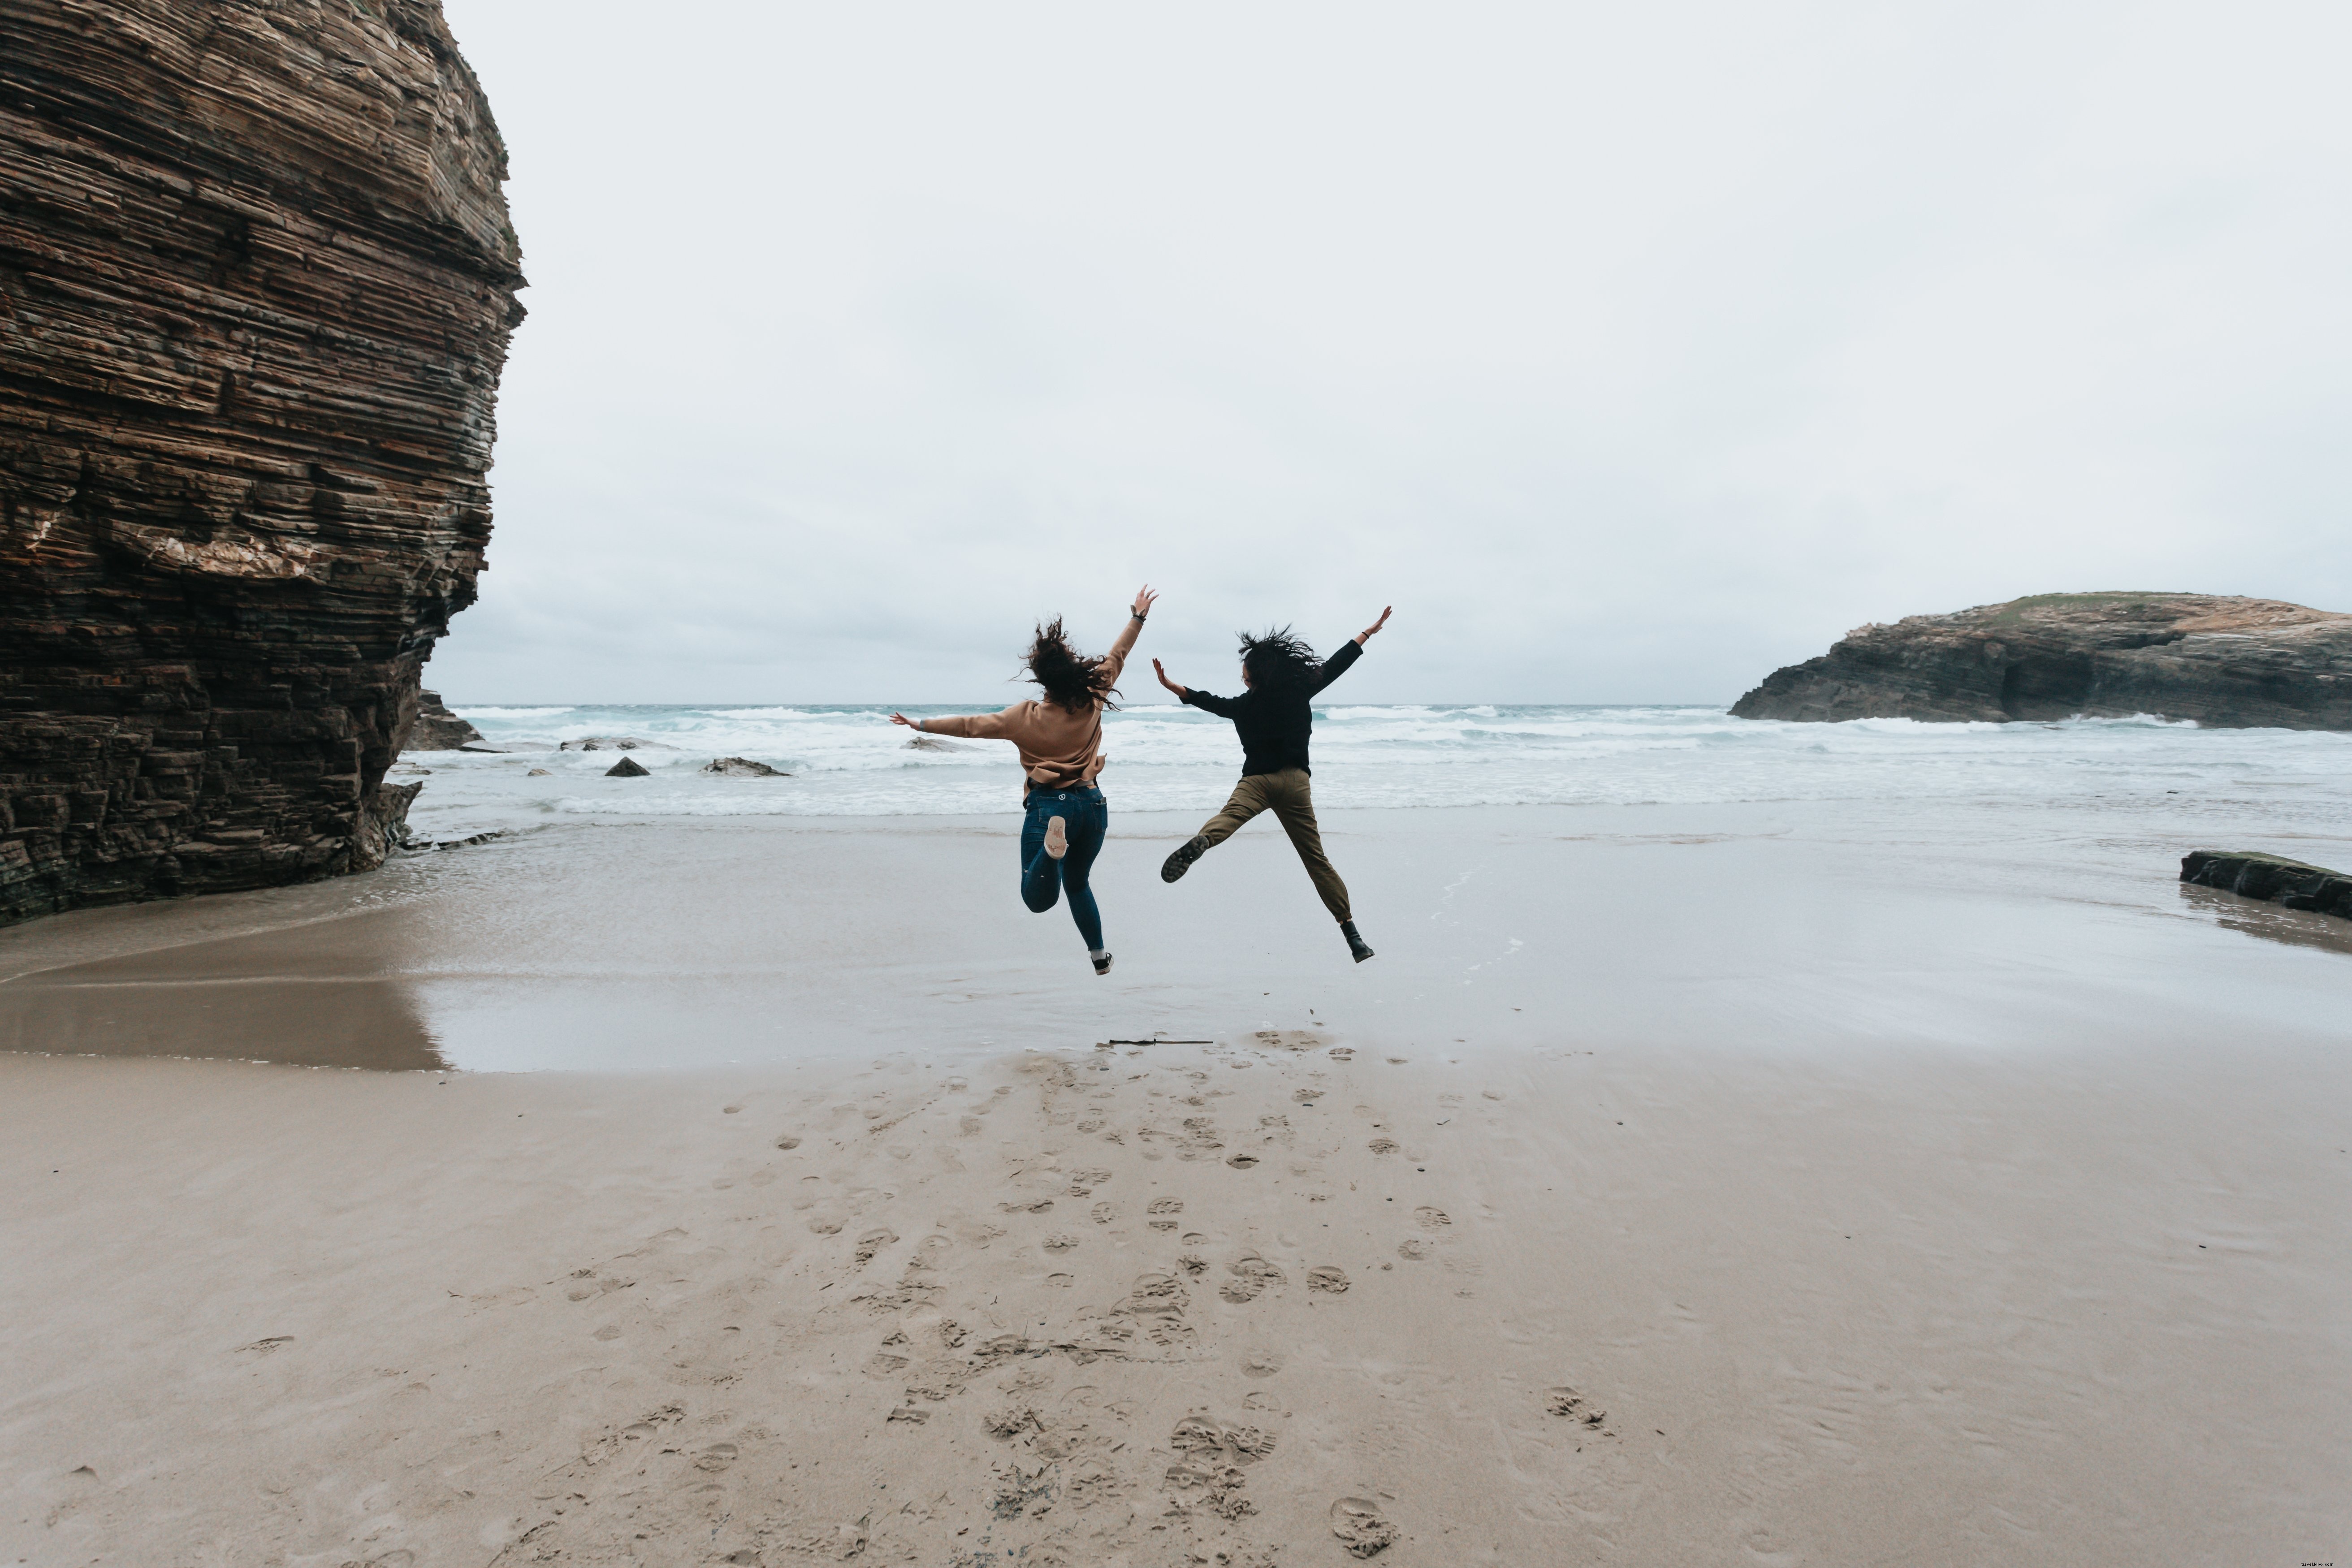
<point x="324" y="999"/>
<point x="2296" y="928"/>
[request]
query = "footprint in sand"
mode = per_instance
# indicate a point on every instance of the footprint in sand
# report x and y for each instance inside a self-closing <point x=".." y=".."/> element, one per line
<point x="1166" y="1205"/>
<point x="1307" y="1096"/>
<point x="1357" y="1521"/>
<point x="1042" y="1206"/>
<point x="872" y="1242"/>
<point x="1261" y="1364"/>
<point x="1241" y="1161"/>
<point x="825" y="1226"/>
<point x="1342" y="1054"/>
<point x="1413" y="1248"/>
<point x="1565" y="1401"/>
<point x="1192" y="1264"/>
<point x="788" y="1142"/>
<point x="1251" y="1274"/>
<point x="1103" y="1214"/>
<point x="1382" y="1145"/>
<point x="1329" y="1280"/>
<point x="1430" y="1218"/>
<point x="1061" y="1241"/>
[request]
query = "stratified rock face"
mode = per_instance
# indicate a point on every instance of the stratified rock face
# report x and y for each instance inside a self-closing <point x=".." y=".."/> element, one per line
<point x="256" y="287"/>
<point x="2221" y="661"/>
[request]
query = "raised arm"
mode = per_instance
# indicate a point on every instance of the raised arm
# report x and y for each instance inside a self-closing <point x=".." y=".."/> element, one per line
<point x="1337" y="665"/>
<point x="1122" y="644"/>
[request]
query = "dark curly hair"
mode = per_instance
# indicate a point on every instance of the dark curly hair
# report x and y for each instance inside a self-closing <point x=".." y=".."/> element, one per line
<point x="1276" y="659"/>
<point x="1070" y="679"/>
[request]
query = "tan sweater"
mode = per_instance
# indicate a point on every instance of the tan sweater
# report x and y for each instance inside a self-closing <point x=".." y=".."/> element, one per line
<point x="1059" y="749"/>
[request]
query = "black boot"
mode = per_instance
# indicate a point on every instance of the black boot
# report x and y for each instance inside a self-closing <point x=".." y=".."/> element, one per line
<point x="1181" y="861"/>
<point x="1355" y="943"/>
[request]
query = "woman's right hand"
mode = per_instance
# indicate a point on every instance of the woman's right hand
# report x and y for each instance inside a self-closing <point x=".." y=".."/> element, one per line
<point x="902" y="719"/>
<point x="1160" y="670"/>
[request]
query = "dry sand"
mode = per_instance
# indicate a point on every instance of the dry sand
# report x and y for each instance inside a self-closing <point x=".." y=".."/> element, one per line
<point x="2004" y="1228"/>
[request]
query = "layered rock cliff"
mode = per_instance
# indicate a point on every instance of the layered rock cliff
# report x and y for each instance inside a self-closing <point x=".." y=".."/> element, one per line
<point x="256" y="282"/>
<point x="2229" y="662"/>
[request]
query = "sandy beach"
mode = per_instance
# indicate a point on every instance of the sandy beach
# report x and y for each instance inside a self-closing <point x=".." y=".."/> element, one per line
<point x="1700" y="1186"/>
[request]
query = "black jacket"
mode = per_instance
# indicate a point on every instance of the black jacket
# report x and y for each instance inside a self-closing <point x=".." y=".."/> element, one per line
<point x="1274" y="721"/>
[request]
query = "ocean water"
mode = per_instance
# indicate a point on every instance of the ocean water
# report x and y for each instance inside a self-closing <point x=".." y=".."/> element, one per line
<point x="848" y="760"/>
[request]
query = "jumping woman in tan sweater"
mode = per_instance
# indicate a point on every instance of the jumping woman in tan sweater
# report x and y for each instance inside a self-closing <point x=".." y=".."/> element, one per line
<point x="1060" y="741"/>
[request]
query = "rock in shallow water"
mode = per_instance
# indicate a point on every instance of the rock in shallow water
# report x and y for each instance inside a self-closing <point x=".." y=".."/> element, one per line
<point x="2230" y="662"/>
<point x="2271" y="878"/>
<point x="744" y="768"/>
<point x="258" y="283"/>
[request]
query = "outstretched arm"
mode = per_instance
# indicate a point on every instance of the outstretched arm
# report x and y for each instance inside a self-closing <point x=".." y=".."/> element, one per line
<point x="1208" y="704"/>
<point x="1337" y="665"/>
<point x="976" y="726"/>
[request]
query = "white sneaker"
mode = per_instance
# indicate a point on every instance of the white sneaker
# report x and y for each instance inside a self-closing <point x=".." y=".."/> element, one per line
<point x="1102" y="960"/>
<point x="1057" y="838"/>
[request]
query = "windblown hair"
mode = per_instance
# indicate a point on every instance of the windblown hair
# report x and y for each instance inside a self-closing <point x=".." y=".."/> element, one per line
<point x="1071" y="680"/>
<point x="1276" y="659"/>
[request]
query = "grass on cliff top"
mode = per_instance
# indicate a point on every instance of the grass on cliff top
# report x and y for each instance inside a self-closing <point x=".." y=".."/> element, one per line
<point x="2014" y="611"/>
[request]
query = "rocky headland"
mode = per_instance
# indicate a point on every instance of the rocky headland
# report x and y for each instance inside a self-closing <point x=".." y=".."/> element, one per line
<point x="2222" y="661"/>
<point x="256" y="282"/>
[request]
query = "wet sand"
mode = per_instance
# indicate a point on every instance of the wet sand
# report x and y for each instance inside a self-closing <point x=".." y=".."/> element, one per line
<point x="1883" y="1202"/>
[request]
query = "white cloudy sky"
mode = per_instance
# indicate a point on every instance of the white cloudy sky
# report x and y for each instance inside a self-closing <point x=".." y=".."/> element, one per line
<point x="1630" y="350"/>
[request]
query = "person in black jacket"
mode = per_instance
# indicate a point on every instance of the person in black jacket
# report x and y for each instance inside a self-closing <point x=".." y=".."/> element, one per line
<point x="1275" y="716"/>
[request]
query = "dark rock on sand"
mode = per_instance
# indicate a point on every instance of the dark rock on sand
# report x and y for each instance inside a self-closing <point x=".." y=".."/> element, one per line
<point x="438" y="730"/>
<point x="627" y="768"/>
<point x="744" y="768"/>
<point x="256" y="282"/>
<point x="2229" y="662"/>
<point x="2271" y="878"/>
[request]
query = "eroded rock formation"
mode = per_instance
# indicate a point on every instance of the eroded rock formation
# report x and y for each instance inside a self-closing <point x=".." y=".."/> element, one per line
<point x="2230" y="662"/>
<point x="256" y="282"/>
<point x="436" y="729"/>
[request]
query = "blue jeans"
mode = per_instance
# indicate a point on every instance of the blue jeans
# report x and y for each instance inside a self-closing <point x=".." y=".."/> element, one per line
<point x="1085" y="818"/>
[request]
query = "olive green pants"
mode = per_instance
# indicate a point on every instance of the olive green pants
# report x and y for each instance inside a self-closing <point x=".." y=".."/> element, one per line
<point x="1290" y="795"/>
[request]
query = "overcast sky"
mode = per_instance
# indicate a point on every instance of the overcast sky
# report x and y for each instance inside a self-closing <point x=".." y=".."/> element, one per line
<point x="1630" y="350"/>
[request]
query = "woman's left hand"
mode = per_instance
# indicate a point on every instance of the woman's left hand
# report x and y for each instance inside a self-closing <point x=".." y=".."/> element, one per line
<point x="1144" y="599"/>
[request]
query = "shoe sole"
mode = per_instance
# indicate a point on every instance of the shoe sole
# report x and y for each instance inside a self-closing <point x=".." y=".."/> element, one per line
<point x="1057" y="838"/>
<point x="1176" y="865"/>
